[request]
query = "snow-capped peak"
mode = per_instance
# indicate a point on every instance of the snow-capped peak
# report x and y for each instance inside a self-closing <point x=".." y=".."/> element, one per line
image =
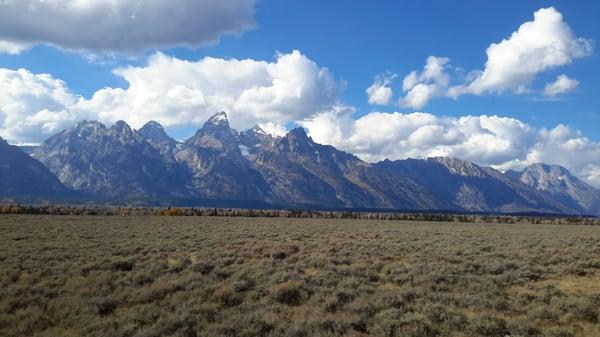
<point x="218" y="118"/>
<point x="258" y="130"/>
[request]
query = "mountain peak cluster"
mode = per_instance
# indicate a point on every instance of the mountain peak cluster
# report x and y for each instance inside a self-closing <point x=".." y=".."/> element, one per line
<point x="219" y="165"/>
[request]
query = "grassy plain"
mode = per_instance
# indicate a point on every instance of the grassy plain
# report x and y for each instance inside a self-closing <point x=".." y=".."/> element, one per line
<point x="214" y="276"/>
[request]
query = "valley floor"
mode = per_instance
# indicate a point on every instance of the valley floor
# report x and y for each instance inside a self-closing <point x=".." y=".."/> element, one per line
<point x="213" y="276"/>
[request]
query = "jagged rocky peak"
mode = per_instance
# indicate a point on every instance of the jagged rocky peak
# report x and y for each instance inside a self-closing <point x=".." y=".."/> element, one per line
<point x="93" y="130"/>
<point x="258" y="130"/>
<point x="218" y="119"/>
<point x="155" y="134"/>
<point x="459" y="167"/>
<point x="298" y="142"/>
<point x="298" y="136"/>
<point x="109" y="162"/>
<point x="152" y="127"/>
<point x="217" y="124"/>
<point x="255" y="137"/>
<point x="562" y="184"/>
<point x="553" y="178"/>
<point x="215" y="134"/>
<point x="298" y="132"/>
<point x="88" y="128"/>
<point x="85" y="124"/>
<point x="123" y="132"/>
<point x="153" y="131"/>
<point x="120" y="127"/>
<point x="548" y="169"/>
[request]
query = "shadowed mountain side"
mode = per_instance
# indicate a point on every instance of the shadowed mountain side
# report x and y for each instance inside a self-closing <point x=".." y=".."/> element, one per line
<point x="23" y="176"/>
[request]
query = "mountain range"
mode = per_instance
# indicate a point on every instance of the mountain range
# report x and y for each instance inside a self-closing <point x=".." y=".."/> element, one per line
<point x="221" y="166"/>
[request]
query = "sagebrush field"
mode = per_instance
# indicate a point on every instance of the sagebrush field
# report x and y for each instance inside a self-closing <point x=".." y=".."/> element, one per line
<point x="217" y="276"/>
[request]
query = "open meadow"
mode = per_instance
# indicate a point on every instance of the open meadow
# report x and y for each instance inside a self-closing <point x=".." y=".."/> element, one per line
<point x="217" y="276"/>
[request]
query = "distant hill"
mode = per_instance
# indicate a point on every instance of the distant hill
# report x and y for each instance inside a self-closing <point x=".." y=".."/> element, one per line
<point x="220" y="165"/>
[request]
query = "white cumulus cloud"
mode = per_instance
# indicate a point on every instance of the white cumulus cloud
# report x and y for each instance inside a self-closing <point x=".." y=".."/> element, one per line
<point x="562" y="85"/>
<point x="177" y="92"/>
<point x="512" y="65"/>
<point x="381" y="92"/>
<point x="421" y="87"/>
<point x="545" y="43"/>
<point x="34" y="107"/>
<point x="276" y="130"/>
<point x="173" y="92"/>
<point x="109" y="26"/>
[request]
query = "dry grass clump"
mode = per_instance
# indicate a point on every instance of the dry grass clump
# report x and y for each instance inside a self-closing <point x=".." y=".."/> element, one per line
<point x="289" y="292"/>
<point x="227" y="296"/>
<point x="211" y="276"/>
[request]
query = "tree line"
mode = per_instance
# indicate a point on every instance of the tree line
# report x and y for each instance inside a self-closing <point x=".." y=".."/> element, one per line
<point x="289" y="213"/>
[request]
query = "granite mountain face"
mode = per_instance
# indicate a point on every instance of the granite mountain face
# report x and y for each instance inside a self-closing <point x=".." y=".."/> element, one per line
<point x="219" y="163"/>
<point x="303" y="172"/>
<point x="218" y="168"/>
<point x="155" y="135"/>
<point x="111" y="163"/>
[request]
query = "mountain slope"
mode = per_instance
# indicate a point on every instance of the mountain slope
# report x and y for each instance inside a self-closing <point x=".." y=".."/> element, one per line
<point x="218" y="168"/>
<point x="304" y="173"/>
<point x="155" y="135"/>
<point x="469" y="187"/>
<point x="563" y="186"/>
<point x="301" y="171"/>
<point x="23" y="176"/>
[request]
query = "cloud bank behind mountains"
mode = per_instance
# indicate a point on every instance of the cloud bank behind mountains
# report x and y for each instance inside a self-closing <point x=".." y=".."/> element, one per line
<point x="173" y="92"/>
<point x="501" y="142"/>
<point x="290" y="89"/>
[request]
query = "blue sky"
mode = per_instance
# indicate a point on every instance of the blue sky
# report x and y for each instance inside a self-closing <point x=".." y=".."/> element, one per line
<point x="355" y="41"/>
